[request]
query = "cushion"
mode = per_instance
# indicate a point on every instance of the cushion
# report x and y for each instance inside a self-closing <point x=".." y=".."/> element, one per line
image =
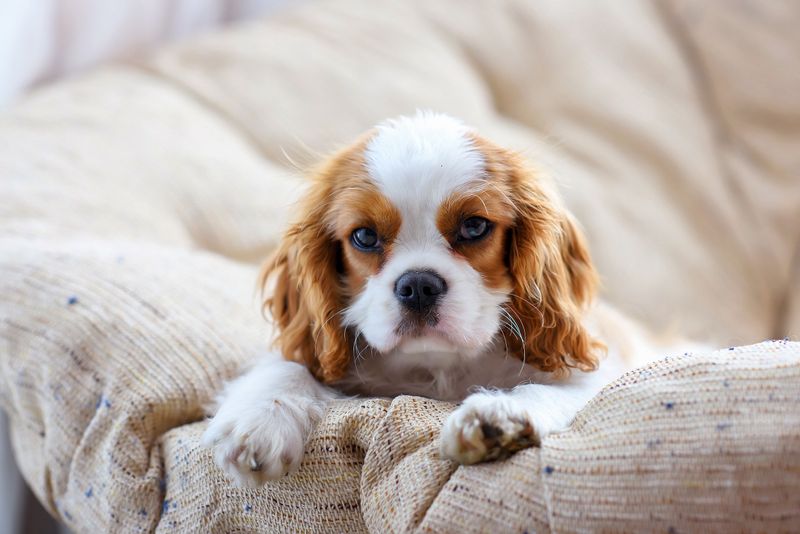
<point x="137" y="201"/>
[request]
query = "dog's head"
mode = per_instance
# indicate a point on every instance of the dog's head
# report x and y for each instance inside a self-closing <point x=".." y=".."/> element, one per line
<point x="422" y="233"/>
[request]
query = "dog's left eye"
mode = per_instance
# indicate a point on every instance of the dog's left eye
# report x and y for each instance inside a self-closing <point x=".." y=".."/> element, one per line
<point x="365" y="239"/>
<point x="474" y="228"/>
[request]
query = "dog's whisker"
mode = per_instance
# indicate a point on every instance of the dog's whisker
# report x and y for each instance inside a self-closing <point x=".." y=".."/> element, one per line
<point x="324" y="323"/>
<point x="535" y="308"/>
<point x="518" y="331"/>
<point x="359" y="356"/>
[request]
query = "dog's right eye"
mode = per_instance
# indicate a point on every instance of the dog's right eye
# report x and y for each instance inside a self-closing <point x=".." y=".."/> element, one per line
<point x="365" y="239"/>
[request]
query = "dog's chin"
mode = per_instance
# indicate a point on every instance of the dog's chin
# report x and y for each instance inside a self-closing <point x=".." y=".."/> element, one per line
<point x="430" y="341"/>
<point x="427" y="343"/>
<point x="411" y="339"/>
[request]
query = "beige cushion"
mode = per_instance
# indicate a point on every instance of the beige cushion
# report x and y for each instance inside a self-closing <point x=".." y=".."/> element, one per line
<point x="137" y="200"/>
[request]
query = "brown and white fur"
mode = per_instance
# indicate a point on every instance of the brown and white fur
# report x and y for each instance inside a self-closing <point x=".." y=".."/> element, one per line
<point x="496" y="310"/>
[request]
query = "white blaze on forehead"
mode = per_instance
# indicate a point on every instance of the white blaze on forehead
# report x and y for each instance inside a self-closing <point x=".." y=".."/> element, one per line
<point x="417" y="162"/>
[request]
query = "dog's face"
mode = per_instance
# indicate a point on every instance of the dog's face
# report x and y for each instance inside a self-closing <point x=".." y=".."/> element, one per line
<point x="422" y="236"/>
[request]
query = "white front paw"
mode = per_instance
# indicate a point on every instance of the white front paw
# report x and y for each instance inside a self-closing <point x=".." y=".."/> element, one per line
<point x="486" y="427"/>
<point x="253" y="444"/>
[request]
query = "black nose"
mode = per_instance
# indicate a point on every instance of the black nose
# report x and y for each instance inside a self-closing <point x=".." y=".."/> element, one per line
<point x="418" y="290"/>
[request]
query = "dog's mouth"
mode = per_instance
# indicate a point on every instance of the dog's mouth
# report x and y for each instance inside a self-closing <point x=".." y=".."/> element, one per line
<point x="416" y="325"/>
<point x="426" y="335"/>
<point x="431" y="332"/>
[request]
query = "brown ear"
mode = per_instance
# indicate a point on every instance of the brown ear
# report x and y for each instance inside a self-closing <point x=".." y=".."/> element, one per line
<point x="553" y="279"/>
<point x="306" y="296"/>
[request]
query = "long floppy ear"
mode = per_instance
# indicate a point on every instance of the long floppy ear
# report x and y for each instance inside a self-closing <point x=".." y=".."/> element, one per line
<point x="302" y="284"/>
<point x="552" y="275"/>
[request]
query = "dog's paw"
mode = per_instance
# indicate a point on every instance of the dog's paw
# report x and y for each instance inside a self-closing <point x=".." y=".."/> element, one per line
<point x="256" y="444"/>
<point x="486" y="427"/>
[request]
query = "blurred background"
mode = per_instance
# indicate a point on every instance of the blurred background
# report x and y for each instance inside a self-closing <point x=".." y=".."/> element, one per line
<point x="42" y="41"/>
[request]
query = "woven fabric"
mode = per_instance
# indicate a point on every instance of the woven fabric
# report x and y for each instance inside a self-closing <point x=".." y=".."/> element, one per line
<point x="678" y="446"/>
<point x="136" y="201"/>
<point x="688" y="442"/>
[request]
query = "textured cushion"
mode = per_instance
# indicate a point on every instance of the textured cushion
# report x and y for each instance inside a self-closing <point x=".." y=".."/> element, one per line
<point x="136" y="201"/>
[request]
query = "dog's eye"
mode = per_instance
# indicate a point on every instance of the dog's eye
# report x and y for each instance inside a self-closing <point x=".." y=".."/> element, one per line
<point x="365" y="239"/>
<point x="474" y="228"/>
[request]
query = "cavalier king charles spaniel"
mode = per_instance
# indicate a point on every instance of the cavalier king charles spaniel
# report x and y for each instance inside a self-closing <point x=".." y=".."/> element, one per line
<point x="426" y="260"/>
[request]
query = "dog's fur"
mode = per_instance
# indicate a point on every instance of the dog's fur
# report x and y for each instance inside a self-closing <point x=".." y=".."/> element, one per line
<point x="515" y="334"/>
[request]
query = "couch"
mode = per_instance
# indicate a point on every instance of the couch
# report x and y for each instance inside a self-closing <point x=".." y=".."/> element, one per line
<point x="137" y="200"/>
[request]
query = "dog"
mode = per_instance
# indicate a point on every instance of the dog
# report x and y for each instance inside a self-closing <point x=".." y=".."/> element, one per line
<point x="427" y="260"/>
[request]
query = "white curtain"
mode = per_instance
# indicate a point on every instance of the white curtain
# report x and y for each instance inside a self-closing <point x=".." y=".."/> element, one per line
<point x="41" y="40"/>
